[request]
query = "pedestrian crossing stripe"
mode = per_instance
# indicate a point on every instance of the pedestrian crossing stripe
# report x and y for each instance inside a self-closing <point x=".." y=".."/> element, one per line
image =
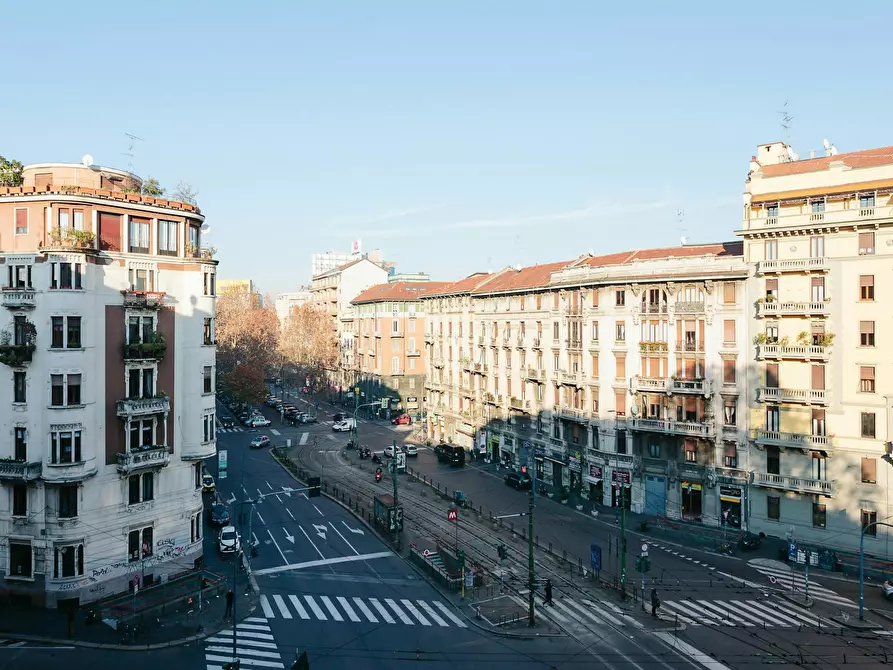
<point x="340" y="609"/>
<point x="740" y="613"/>
<point x="255" y="646"/>
<point x="816" y="591"/>
<point x="235" y="429"/>
<point x="567" y="611"/>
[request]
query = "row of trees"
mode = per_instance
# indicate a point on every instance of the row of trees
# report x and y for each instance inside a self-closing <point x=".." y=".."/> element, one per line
<point x="252" y="345"/>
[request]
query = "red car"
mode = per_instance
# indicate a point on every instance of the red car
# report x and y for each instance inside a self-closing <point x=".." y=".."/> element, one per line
<point x="402" y="420"/>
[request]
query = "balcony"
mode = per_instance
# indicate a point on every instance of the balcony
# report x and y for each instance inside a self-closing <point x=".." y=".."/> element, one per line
<point x="574" y="345"/>
<point x="397" y="333"/>
<point x="429" y="338"/>
<point x="570" y="413"/>
<point x="798" y="352"/>
<point x="573" y="378"/>
<point x="535" y="374"/>
<point x="805" y="396"/>
<point x="518" y="404"/>
<point x="776" y="308"/>
<point x="833" y="217"/>
<point x="537" y="342"/>
<point x="19" y="470"/>
<point x="797" y="484"/>
<point x="467" y="365"/>
<point x="732" y="473"/>
<point x="143" y="299"/>
<point x="151" y="350"/>
<point x="593" y="345"/>
<point x="491" y="399"/>
<point x="792" y="265"/>
<point x="649" y="384"/>
<point x="519" y="341"/>
<point x="697" y="386"/>
<point x="370" y="352"/>
<point x="16" y="355"/>
<point x="480" y="368"/>
<point x="687" y="428"/>
<point x="143" y="458"/>
<point x="376" y="332"/>
<point x="691" y="307"/>
<point x="689" y="347"/>
<point x="413" y="353"/>
<point x="653" y="347"/>
<point x="437" y="361"/>
<point x="19" y="298"/>
<point x="63" y="473"/>
<point x="790" y="440"/>
<point x="135" y="407"/>
<point x="654" y="308"/>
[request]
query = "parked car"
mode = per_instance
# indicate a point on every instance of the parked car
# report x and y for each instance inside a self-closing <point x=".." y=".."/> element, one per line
<point x="520" y="481"/>
<point x="260" y="442"/>
<point x="228" y="422"/>
<point x="218" y="515"/>
<point x="887" y="590"/>
<point x="208" y="485"/>
<point x="344" y="426"/>
<point x="228" y="541"/>
<point x="402" y="420"/>
<point x="272" y="400"/>
<point x="410" y="450"/>
<point x="258" y="421"/>
<point x="308" y="418"/>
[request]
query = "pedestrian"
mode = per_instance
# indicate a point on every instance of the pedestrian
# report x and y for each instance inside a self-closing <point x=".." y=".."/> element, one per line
<point x="655" y="603"/>
<point x="230" y="596"/>
<point x="548" y="600"/>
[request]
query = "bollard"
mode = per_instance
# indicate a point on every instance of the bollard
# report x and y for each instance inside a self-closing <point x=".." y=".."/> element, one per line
<point x="564" y="554"/>
<point x="580" y="563"/>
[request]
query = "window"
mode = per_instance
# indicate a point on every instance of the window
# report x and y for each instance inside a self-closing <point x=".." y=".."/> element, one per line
<point x="139" y="544"/>
<point x="208" y="331"/>
<point x="819" y="466"/>
<point x="556" y="332"/>
<point x="620" y="298"/>
<point x="818" y="377"/>
<point x="19" y="276"/>
<point x="654" y="450"/>
<point x="64" y="217"/>
<point x="869" y="470"/>
<point x="139" y="236"/>
<point x="412" y="323"/>
<point x="620" y="367"/>
<point x="18" y="387"/>
<point x="866" y="287"/>
<point x="772" y="211"/>
<point x="65" y="335"/>
<point x="772" y="375"/>
<point x="411" y="367"/>
<point x="771" y="250"/>
<point x="595" y="365"/>
<point x="20" y="558"/>
<point x="195" y="532"/>
<point x="771" y="289"/>
<point x="866" y="379"/>
<point x="819" y="515"/>
<point x="78" y="215"/>
<point x="731" y="456"/>
<point x="140" y="383"/>
<point x="66" y="276"/>
<point x="730" y="413"/>
<point x="68" y="502"/>
<point x="773" y="507"/>
<point x="207" y="380"/>
<point x="197" y="475"/>
<point x="728" y="331"/>
<point x="869" y="522"/>
<point x="21" y="217"/>
<point x="866" y="333"/>
<point x="729" y="371"/>
<point x="595" y="331"/>
<point x="817" y="242"/>
<point x="141" y="280"/>
<point x="868" y="425"/>
<point x="817" y="285"/>
<point x="773" y="460"/>
<point x="209" y="283"/>
<point x="168" y="236"/>
<point x="20" y="500"/>
<point x="620" y="331"/>
<point x="141" y="488"/>
<point x="208" y="427"/>
<point x="65" y="390"/>
<point x="395" y="365"/>
<point x="620" y="404"/>
<point x="866" y="244"/>
<point x="728" y="293"/>
<point x="20" y="444"/>
<point x="69" y="561"/>
<point x="65" y="447"/>
<point x="691" y="454"/>
<point x="818" y="423"/>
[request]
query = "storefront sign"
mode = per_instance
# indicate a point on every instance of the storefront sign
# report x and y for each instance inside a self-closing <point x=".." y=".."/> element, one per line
<point x="729" y="494"/>
<point x="465" y="428"/>
<point x="574" y="465"/>
<point x="621" y="476"/>
<point x="691" y="486"/>
<point x="595" y="471"/>
<point x="412" y="398"/>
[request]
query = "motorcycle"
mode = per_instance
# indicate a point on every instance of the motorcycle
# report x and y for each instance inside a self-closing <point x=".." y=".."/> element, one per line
<point x="750" y="542"/>
<point x="377" y="477"/>
<point x="254" y="546"/>
<point x="376" y="458"/>
<point x="364" y="453"/>
<point x="350" y="444"/>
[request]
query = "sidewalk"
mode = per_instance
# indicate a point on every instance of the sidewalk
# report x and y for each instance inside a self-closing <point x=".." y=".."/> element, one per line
<point x="179" y="623"/>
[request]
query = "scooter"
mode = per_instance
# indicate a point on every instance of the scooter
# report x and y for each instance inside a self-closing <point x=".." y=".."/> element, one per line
<point x="750" y="542"/>
<point x="376" y="458"/>
<point x="254" y="546"/>
<point x="364" y="452"/>
<point x="377" y="477"/>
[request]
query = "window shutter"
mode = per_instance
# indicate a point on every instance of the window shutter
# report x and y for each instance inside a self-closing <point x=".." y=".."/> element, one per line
<point x="818" y="377"/>
<point x="728" y="330"/>
<point x="869" y="470"/>
<point x="728" y="293"/>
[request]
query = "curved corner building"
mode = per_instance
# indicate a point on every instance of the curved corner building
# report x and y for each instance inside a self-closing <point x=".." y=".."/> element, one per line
<point x="107" y="376"/>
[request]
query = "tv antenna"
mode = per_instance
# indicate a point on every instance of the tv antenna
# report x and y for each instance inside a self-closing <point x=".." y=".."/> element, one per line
<point x="786" y="120"/>
<point x="680" y="220"/>
<point x="131" y="140"/>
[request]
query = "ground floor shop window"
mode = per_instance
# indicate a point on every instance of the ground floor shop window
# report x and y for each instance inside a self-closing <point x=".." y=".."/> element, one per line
<point x="691" y="501"/>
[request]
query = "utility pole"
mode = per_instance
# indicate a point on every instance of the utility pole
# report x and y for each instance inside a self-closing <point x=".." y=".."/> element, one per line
<point x="623" y="540"/>
<point x="531" y="464"/>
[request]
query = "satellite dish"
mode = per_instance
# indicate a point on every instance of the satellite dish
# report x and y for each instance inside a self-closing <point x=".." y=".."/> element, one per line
<point x="827" y="144"/>
<point x="87" y="160"/>
<point x="634" y="410"/>
<point x="833" y="150"/>
<point x="205" y="228"/>
<point x="683" y="240"/>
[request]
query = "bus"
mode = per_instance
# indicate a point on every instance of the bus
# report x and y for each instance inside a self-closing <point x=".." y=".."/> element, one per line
<point x="450" y="453"/>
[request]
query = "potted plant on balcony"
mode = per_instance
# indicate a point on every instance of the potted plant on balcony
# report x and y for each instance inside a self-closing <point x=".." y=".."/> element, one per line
<point x="803" y="338"/>
<point x="760" y="338"/>
<point x="785" y="341"/>
<point x="17" y="354"/>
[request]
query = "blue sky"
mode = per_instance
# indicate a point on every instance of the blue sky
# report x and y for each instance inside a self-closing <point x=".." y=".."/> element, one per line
<point x="455" y="136"/>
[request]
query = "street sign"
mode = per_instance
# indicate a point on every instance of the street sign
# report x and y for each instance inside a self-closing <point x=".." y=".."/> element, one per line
<point x="221" y="464"/>
<point x="357" y="390"/>
<point x="645" y="549"/>
<point x="401" y="461"/>
<point x="426" y="553"/>
<point x="595" y="556"/>
<point x="792" y="551"/>
<point x="384" y="402"/>
<point x="452" y="515"/>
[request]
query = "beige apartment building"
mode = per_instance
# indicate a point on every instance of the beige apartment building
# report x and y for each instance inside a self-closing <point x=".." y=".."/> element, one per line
<point x="626" y="374"/>
<point x="388" y="360"/>
<point x="818" y="234"/>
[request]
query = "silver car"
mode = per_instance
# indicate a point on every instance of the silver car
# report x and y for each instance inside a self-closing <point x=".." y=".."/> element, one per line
<point x="228" y="541"/>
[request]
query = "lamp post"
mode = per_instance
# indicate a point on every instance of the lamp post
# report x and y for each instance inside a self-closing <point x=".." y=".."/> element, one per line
<point x="862" y="562"/>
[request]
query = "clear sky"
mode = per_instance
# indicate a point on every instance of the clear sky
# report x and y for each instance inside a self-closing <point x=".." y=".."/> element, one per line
<point x="456" y="136"/>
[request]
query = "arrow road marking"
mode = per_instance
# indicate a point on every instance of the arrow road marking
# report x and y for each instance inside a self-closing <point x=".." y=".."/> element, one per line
<point x="290" y="514"/>
<point x="311" y="542"/>
<point x="287" y="490"/>
<point x="231" y="500"/>
<point x="290" y="538"/>
<point x="344" y="538"/>
<point x="358" y="531"/>
<point x="317" y="509"/>
<point x="321" y="531"/>
<point x="270" y="485"/>
<point x="284" y="560"/>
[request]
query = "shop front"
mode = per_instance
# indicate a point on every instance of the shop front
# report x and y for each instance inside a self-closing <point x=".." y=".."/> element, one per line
<point x="594" y="479"/>
<point x="692" y="500"/>
<point x="575" y="471"/>
<point x="655" y="494"/>
<point x="493" y="446"/>
<point x="621" y="488"/>
<point x="730" y="505"/>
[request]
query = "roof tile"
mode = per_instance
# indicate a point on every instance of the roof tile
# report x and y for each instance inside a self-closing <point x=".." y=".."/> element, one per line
<point x="854" y="159"/>
<point x="397" y="291"/>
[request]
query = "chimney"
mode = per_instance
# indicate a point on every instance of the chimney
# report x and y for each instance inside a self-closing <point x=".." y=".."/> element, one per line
<point x="812" y="153"/>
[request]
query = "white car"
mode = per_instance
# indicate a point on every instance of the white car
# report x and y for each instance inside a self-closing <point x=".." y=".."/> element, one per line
<point x="887" y="590"/>
<point x="343" y="426"/>
<point x="389" y="452"/>
<point x="228" y="541"/>
<point x="258" y="421"/>
<point x="410" y="450"/>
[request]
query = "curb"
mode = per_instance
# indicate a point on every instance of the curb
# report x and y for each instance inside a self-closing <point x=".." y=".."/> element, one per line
<point x="798" y="600"/>
<point x="416" y="569"/>
<point x="884" y="614"/>
<point x="855" y="624"/>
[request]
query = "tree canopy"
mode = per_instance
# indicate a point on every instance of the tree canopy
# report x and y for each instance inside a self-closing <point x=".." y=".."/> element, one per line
<point x="10" y="172"/>
<point x="247" y="333"/>
<point x="308" y="345"/>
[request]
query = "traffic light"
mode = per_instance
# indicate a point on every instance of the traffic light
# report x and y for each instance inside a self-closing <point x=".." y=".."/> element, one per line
<point x="302" y="663"/>
<point x="502" y="551"/>
<point x="313" y="483"/>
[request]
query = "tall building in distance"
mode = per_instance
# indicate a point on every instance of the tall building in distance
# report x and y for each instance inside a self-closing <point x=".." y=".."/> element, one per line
<point x="287" y="303"/>
<point x="108" y="354"/>
<point x="818" y="234"/>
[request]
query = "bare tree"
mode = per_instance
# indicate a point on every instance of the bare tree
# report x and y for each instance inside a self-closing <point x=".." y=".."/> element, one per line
<point x="309" y="346"/>
<point x="247" y="333"/>
<point x="184" y="192"/>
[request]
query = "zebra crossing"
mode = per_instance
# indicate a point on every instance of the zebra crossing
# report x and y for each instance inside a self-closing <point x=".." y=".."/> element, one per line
<point x="234" y="429"/>
<point x="679" y="552"/>
<point x="794" y="582"/>
<point x="740" y="613"/>
<point x="340" y="609"/>
<point x="567" y="611"/>
<point x="255" y="646"/>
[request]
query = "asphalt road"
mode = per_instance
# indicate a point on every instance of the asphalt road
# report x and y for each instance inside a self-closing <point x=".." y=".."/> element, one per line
<point x="32" y="656"/>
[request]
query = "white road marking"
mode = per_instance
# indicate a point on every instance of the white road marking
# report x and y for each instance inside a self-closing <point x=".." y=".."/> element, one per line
<point x="336" y="615"/>
<point x="290" y="514"/>
<point x="280" y="603"/>
<point x="381" y="610"/>
<point x="265" y="604"/>
<point x="316" y="610"/>
<point x="243" y="642"/>
<point x="449" y="615"/>
<point x="673" y="640"/>
<point x="284" y="559"/>
<point x="348" y="609"/>
<point x="327" y="561"/>
<point x="268" y="484"/>
<point x="316" y="508"/>
<point x="344" y="538"/>
<point x="274" y="431"/>
<point x="432" y="614"/>
<point x="405" y="619"/>
<point x="304" y="437"/>
<point x="311" y="542"/>
<point x="255" y="619"/>
<point x="243" y="661"/>
<point x="298" y="606"/>
<point x="365" y="610"/>
<point x="250" y="652"/>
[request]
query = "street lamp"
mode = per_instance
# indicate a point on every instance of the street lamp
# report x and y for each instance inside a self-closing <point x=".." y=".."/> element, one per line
<point x="862" y="561"/>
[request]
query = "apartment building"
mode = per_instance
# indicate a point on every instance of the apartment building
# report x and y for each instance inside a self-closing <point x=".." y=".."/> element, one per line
<point x="818" y="234"/>
<point x="624" y="373"/>
<point x="106" y="384"/>
<point x="389" y="352"/>
<point x="286" y="303"/>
